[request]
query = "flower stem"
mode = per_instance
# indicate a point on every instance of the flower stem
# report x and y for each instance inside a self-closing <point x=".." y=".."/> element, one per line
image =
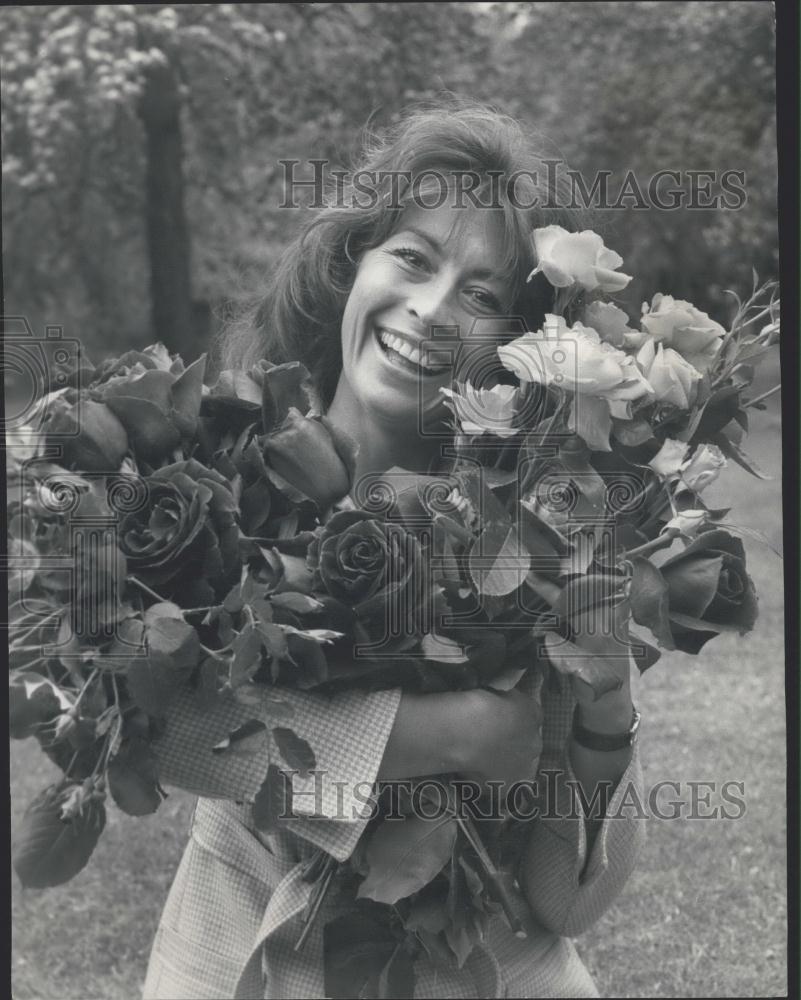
<point x="316" y="901"/>
<point x="758" y="399"/>
<point x="662" y="542"/>
<point x="147" y="590"/>
<point x="511" y="906"/>
<point x="24" y="636"/>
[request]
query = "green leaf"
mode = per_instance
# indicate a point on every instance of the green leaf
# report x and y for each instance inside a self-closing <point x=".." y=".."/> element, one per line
<point x="632" y="433"/>
<point x="163" y="609"/>
<point x="599" y="672"/>
<point x="441" y="648"/>
<point x="575" y="457"/>
<point x="247" y="647"/>
<point x="498" y="562"/>
<point x="176" y="640"/>
<point x="356" y="947"/>
<point x="273" y="801"/>
<point x="249" y="738"/>
<point x="396" y="981"/>
<point x="302" y="604"/>
<point x="648" y="597"/>
<point x="51" y="850"/>
<point x="403" y="856"/>
<point x="207" y="684"/>
<point x="133" y="778"/>
<point x="735" y="452"/>
<point x="151" y="681"/>
<point x="33" y="701"/>
<point x="295" y="750"/>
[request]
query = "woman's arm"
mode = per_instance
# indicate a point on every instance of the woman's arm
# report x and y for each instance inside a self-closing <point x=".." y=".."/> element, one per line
<point x="492" y="735"/>
<point x="574" y="866"/>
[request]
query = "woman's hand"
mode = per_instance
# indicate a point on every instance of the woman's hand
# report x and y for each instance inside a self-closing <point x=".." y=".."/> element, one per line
<point x="488" y="735"/>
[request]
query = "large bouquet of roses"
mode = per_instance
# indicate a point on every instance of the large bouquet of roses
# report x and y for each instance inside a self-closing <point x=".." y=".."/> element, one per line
<point x="182" y="549"/>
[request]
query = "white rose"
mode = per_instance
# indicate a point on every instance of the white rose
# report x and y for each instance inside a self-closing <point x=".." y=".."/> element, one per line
<point x="672" y="379"/>
<point x="703" y="468"/>
<point x="611" y="323"/>
<point x="567" y="258"/>
<point x="480" y="410"/>
<point x="678" y="324"/>
<point x="669" y="460"/>
<point x="603" y="379"/>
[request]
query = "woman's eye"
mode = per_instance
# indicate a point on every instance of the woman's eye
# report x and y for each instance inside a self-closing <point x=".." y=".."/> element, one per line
<point x="486" y="299"/>
<point x="410" y="256"/>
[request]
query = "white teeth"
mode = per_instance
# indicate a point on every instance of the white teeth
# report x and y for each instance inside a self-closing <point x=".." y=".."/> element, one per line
<point x="405" y="349"/>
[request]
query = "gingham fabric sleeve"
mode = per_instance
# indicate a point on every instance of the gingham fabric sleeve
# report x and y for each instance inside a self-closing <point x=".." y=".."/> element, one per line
<point x="568" y="887"/>
<point x="347" y="732"/>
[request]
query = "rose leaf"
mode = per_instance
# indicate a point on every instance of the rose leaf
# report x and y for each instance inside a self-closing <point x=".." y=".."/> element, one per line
<point x="151" y="682"/>
<point x="249" y="738"/>
<point x="649" y="600"/>
<point x="404" y="856"/>
<point x="295" y="750"/>
<point x="600" y="673"/>
<point x="498" y="562"/>
<point x="51" y="850"/>
<point x="175" y="639"/>
<point x="133" y="778"/>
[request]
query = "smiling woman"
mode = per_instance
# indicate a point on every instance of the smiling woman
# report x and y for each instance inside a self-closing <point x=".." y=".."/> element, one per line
<point x="386" y="306"/>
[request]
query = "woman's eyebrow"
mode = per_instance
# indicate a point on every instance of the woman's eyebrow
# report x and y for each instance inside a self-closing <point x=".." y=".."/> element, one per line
<point x="477" y="272"/>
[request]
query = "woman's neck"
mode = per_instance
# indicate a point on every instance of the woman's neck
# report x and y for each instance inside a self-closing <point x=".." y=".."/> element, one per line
<point x="381" y="445"/>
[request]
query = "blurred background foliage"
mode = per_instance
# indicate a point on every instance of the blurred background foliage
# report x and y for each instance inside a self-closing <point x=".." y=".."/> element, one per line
<point x="141" y="181"/>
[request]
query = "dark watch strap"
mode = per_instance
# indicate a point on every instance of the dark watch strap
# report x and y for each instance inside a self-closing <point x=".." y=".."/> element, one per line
<point x="605" y="742"/>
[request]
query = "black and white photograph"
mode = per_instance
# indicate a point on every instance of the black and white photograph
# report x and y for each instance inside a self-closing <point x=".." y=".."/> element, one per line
<point x="400" y="509"/>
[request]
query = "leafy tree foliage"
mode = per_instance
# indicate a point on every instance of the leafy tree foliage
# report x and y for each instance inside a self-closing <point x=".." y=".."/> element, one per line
<point x="141" y="142"/>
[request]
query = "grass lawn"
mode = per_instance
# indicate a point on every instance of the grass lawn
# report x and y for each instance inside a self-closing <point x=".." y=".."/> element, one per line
<point x="704" y="915"/>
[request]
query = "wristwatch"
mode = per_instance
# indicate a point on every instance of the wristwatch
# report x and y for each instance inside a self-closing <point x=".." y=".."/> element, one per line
<point x="605" y="741"/>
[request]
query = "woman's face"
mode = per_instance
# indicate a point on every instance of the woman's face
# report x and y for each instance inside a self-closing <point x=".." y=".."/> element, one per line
<point x="437" y="270"/>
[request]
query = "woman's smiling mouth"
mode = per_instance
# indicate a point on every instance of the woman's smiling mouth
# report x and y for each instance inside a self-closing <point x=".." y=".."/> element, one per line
<point x="403" y="354"/>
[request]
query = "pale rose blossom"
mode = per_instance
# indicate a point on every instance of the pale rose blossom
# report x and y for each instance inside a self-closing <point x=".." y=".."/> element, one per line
<point x="672" y="379"/>
<point x="604" y="379"/>
<point x="610" y="322"/>
<point x="567" y="258"/>
<point x="678" y="324"/>
<point x="669" y="460"/>
<point x="703" y="467"/>
<point x="686" y="522"/>
<point x="484" y="410"/>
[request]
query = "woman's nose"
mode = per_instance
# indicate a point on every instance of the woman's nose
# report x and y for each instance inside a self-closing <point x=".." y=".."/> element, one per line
<point x="430" y="304"/>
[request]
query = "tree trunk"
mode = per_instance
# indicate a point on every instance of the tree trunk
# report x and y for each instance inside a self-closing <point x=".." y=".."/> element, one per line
<point x="167" y="232"/>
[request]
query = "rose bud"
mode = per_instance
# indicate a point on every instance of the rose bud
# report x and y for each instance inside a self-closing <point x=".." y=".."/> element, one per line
<point x="703" y="468"/>
<point x="669" y="460"/>
<point x="312" y="456"/>
<point x="90" y="436"/>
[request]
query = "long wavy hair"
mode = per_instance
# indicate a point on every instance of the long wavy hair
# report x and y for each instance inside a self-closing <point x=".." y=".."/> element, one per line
<point x="298" y="315"/>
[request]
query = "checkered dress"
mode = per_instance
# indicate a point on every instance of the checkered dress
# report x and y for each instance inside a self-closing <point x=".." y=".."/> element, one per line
<point x="232" y="917"/>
